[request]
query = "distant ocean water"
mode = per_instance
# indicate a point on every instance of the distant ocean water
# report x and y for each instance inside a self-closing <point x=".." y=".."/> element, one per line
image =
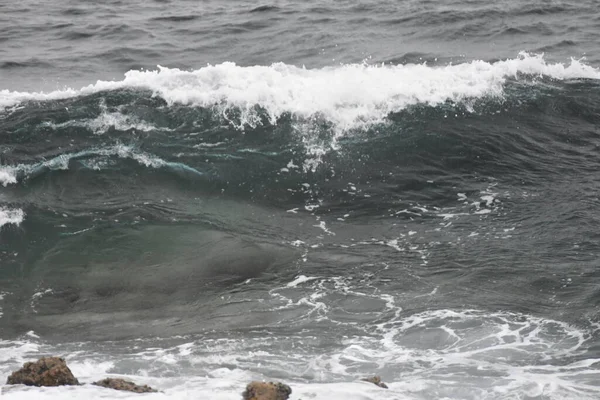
<point x="194" y="195"/>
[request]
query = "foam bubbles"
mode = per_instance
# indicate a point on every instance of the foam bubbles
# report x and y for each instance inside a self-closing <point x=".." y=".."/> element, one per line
<point x="348" y="96"/>
<point x="7" y="175"/>
<point x="478" y="353"/>
<point x="14" y="173"/>
<point x="453" y="354"/>
<point x="11" y="216"/>
<point x="300" y="279"/>
<point x="106" y="120"/>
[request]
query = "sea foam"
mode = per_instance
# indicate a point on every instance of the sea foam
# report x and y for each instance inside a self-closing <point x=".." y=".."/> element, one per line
<point x="8" y="175"/>
<point x="346" y="95"/>
<point x="11" y="216"/>
<point x="453" y="354"/>
<point x="11" y="174"/>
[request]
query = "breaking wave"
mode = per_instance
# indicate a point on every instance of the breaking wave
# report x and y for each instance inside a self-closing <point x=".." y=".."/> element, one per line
<point x="347" y="95"/>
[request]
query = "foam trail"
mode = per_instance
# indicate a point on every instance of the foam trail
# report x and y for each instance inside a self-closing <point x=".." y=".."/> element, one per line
<point x="10" y="174"/>
<point x="104" y="122"/>
<point x="347" y="95"/>
<point x="450" y="354"/>
<point x="11" y="216"/>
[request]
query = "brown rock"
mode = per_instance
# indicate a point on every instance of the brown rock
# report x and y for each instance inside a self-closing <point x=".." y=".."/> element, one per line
<point x="47" y="371"/>
<point x="122" y="384"/>
<point x="376" y="380"/>
<point x="267" y="391"/>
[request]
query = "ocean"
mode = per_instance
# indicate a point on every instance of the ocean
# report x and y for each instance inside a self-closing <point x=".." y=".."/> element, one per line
<point x="197" y="194"/>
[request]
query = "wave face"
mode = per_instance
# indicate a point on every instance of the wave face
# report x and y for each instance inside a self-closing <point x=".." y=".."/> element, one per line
<point x="404" y="193"/>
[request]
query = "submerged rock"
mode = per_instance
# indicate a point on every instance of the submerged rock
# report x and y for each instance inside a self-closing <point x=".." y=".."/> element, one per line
<point x="267" y="391"/>
<point x="122" y="384"/>
<point x="376" y="380"/>
<point x="47" y="371"/>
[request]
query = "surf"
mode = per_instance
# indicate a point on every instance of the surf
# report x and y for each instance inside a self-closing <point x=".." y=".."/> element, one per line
<point x="348" y="96"/>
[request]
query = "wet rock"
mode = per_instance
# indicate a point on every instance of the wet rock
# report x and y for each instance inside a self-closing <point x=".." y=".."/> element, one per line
<point x="47" y="371"/>
<point x="122" y="384"/>
<point x="376" y="380"/>
<point x="267" y="391"/>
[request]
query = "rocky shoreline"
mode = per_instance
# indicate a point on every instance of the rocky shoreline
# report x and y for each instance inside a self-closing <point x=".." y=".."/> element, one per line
<point x="53" y="371"/>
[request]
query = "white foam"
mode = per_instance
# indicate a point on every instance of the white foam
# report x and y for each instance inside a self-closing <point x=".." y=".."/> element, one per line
<point x="200" y="145"/>
<point x="225" y="388"/>
<point x="142" y="158"/>
<point x="448" y="344"/>
<point x="11" y="216"/>
<point x="347" y="95"/>
<point x="488" y="199"/>
<point x="394" y="244"/>
<point x="7" y="175"/>
<point x="453" y="354"/>
<point x="12" y="173"/>
<point x="300" y="279"/>
<point x="2" y="294"/>
<point x="106" y="120"/>
<point x="323" y="226"/>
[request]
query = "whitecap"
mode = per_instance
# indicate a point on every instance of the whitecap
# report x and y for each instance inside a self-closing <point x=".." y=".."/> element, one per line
<point x="11" y="216"/>
<point x="348" y="96"/>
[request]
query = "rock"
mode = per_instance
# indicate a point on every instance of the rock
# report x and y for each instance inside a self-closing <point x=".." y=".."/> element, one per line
<point x="47" y="371"/>
<point x="376" y="380"/>
<point x="122" y="384"/>
<point x="267" y="391"/>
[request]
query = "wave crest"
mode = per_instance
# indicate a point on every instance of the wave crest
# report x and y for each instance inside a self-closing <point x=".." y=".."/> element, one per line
<point x="347" y="95"/>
